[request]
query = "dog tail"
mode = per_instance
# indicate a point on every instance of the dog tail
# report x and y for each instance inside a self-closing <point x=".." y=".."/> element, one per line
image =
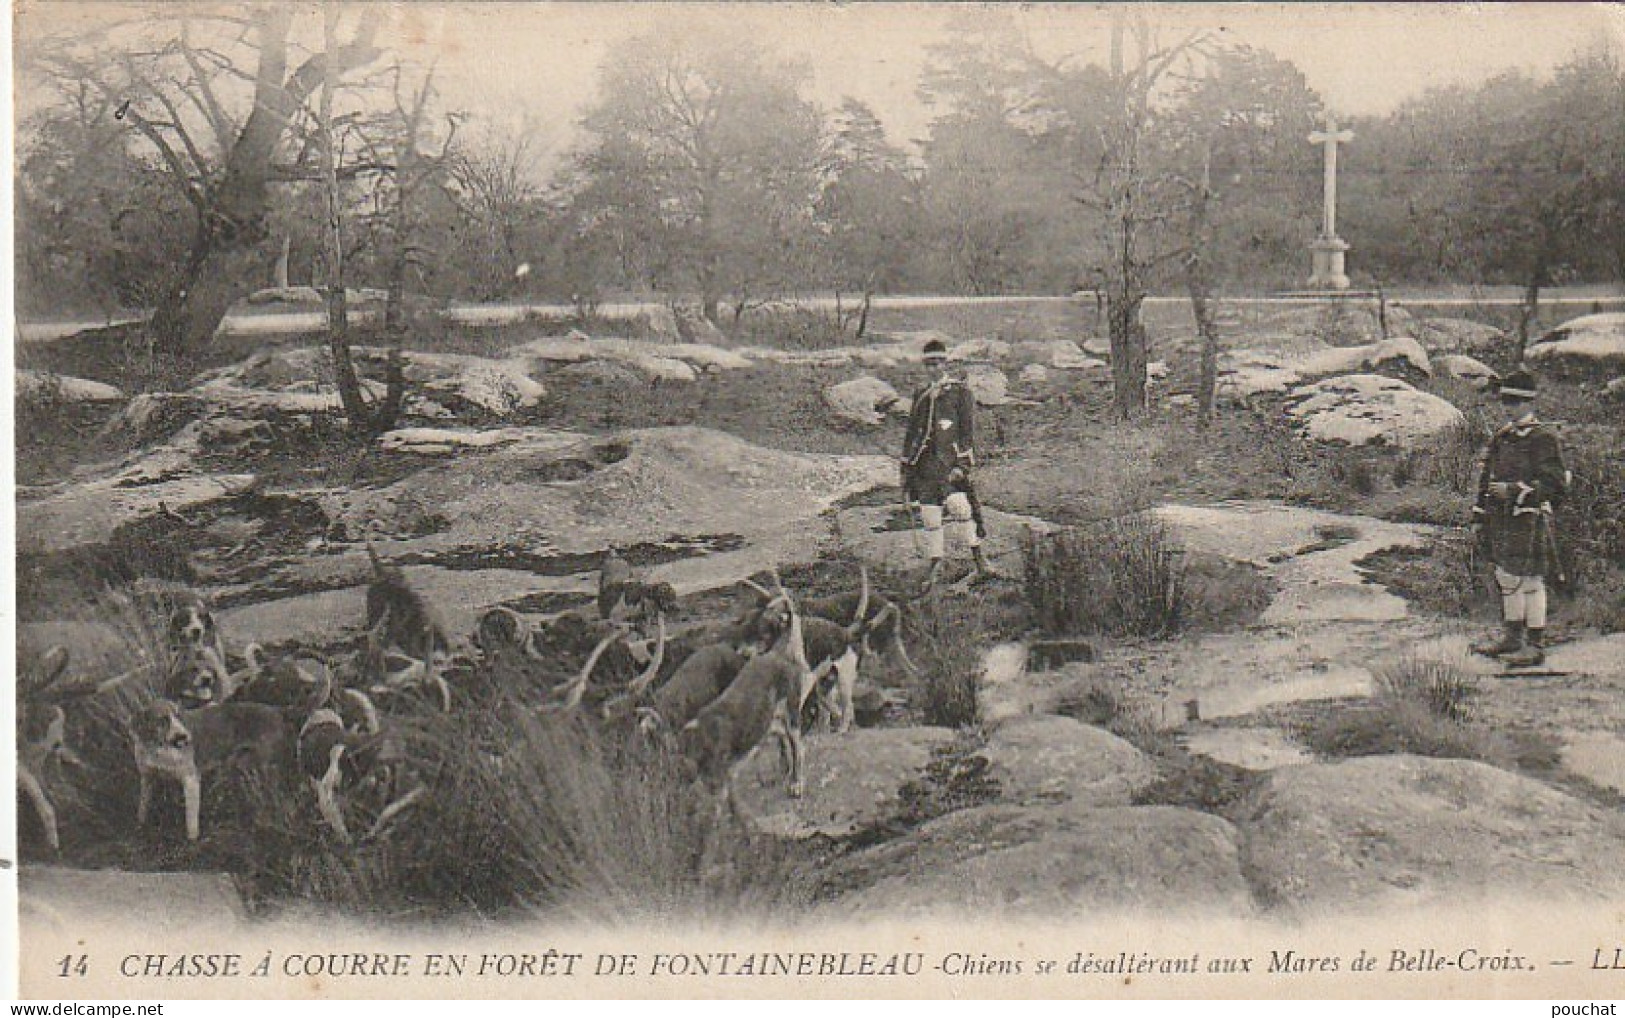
<point x="364" y="706"/>
<point x="897" y="643"/>
<point x="642" y="682"/>
<point x="322" y="689"/>
<point x="798" y="645"/>
<point x="53" y="663"/>
<point x="863" y="596"/>
<point x="372" y="550"/>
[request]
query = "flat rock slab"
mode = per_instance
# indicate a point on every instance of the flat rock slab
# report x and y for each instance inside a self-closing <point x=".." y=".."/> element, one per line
<point x="1049" y="758"/>
<point x="852" y="780"/>
<point x="1310" y="553"/>
<point x="1378" y="833"/>
<point x="89" y="512"/>
<point x="1254" y="749"/>
<point x="55" y="900"/>
<point x="461" y="595"/>
<point x="1051" y="862"/>
<point x="1598" y="757"/>
<point x="632" y="487"/>
<point x="880" y="536"/>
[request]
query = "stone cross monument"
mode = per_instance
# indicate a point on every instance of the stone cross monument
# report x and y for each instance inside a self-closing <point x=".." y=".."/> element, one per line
<point x="1329" y="248"/>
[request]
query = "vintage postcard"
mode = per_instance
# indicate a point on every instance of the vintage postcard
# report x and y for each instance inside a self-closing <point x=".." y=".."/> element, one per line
<point x="576" y="500"/>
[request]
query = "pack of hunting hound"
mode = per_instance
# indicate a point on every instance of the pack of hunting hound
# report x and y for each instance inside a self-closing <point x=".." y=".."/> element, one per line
<point x="703" y="698"/>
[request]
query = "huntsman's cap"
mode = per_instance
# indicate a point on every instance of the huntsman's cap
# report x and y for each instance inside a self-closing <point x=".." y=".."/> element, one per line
<point x="935" y="350"/>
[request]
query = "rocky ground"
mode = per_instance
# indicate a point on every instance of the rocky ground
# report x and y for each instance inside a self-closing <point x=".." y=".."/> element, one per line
<point x="1188" y="774"/>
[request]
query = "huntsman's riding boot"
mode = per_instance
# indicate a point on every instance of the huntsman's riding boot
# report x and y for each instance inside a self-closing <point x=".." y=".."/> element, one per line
<point x="983" y="570"/>
<point x="1532" y="653"/>
<point x="1511" y="641"/>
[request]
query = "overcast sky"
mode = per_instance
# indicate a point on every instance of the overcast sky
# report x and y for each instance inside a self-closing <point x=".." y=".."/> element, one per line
<point x="1363" y="58"/>
<point x="537" y="64"/>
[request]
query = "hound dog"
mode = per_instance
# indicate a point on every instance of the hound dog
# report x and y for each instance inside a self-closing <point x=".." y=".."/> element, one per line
<point x="42" y="736"/>
<point x="335" y="751"/>
<point x="835" y="653"/>
<point x="882" y="618"/>
<point x="705" y="675"/>
<point x="295" y="683"/>
<point x="198" y="670"/>
<point x="186" y="744"/>
<point x="402" y="616"/>
<point x="764" y="699"/>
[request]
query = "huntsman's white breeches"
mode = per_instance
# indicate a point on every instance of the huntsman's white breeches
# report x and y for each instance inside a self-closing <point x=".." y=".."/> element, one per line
<point x="1523" y="598"/>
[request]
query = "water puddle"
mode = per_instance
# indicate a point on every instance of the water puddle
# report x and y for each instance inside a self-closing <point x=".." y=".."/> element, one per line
<point x="1598" y="757"/>
<point x="1335" y="683"/>
<point x="1253" y="749"/>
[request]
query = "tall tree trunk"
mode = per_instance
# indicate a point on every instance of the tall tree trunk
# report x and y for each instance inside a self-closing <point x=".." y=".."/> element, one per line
<point x="1200" y="288"/>
<point x="232" y="222"/>
<point x="281" y="270"/>
<point x="1128" y="348"/>
<point x="364" y="419"/>
<point x="1530" y="308"/>
<point x="863" y="311"/>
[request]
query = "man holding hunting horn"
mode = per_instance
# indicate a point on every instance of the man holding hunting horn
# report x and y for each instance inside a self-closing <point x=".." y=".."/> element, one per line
<point x="939" y="450"/>
<point x="1523" y="479"/>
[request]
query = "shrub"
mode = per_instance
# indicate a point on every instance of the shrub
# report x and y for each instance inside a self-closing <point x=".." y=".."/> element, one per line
<point x="1420" y="707"/>
<point x="947" y="647"/>
<point x="1354" y="470"/>
<point x="790" y="328"/>
<point x="1125" y="576"/>
<point x="1455" y="460"/>
<point x="1443" y="688"/>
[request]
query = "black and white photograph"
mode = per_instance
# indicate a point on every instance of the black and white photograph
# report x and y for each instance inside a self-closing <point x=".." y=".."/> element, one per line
<point x="797" y="500"/>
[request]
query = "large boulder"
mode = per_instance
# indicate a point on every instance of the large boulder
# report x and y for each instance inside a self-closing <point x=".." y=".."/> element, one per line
<point x="696" y="328"/>
<point x="1400" y="354"/>
<point x="91" y="511"/>
<point x="1460" y="335"/>
<point x="1251" y="371"/>
<point x="1058" y="862"/>
<point x="1468" y="369"/>
<point x="989" y="385"/>
<point x="661" y="324"/>
<point x="1058" y="353"/>
<point x="1371" y="410"/>
<point x="44" y="385"/>
<point x="864" y="400"/>
<point x="1048" y="758"/>
<point x="609" y="374"/>
<point x="500" y="387"/>
<point x="1592" y="346"/>
<point x="980" y="350"/>
<point x="151" y="416"/>
<point x="852" y="780"/>
<point x="1377" y="833"/>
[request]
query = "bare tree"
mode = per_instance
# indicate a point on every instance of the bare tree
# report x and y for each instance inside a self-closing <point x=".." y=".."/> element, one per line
<point x="216" y="95"/>
<point x="364" y="418"/>
<point x="1138" y="197"/>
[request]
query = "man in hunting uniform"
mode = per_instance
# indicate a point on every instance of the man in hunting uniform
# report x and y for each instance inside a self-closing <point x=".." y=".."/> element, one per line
<point x="1523" y="479"/>
<point x="939" y="451"/>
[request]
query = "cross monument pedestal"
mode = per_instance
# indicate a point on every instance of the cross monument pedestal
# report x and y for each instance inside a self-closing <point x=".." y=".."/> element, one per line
<point x="1328" y="249"/>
